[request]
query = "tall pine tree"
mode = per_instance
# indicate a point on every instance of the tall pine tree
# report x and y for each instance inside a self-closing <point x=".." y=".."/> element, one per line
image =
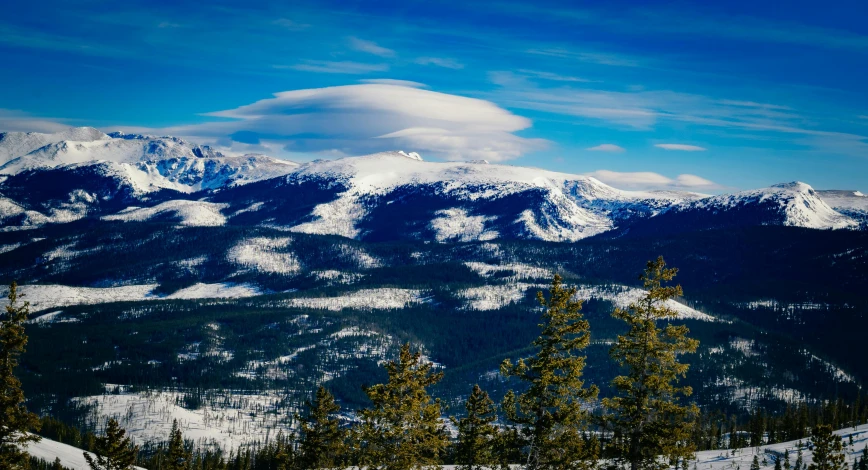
<point x="114" y="451"/>
<point x="402" y="430"/>
<point x="645" y="410"/>
<point x="15" y="420"/>
<point x="177" y="456"/>
<point x="477" y="435"/>
<point x="551" y="413"/>
<point x="323" y="442"/>
<point x="828" y="450"/>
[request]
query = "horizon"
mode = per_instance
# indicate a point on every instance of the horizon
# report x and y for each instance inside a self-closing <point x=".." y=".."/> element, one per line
<point x="696" y="98"/>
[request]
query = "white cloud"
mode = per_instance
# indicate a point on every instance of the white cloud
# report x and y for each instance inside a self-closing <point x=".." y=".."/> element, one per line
<point x="345" y="67"/>
<point x="651" y="180"/>
<point x="606" y="148"/>
<point x="367" y="118"/>
<point x="553" y="76"/>
<point x="17" y="121"/>
<point x="440" y="62"/>
<point x="389" y="81"/>
<point x="682" y="147"/>
<point x="370" y="47"/>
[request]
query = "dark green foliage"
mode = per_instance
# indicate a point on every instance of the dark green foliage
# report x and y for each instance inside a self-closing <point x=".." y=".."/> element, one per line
<point x="551" y="413"/>
<point x="477" y="435"/>
<point x="15" y="420"/>
<point x="322" y="441"/>
<point x="645" y="412"/>
<point x="402" y="429"/>
<point x="828" y="450"/>
<point x="177" y="455"/>
<point x="113" y="450"/>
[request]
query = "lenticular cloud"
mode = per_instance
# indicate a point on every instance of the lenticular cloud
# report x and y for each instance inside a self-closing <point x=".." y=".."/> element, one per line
<point x="364" y="118"/>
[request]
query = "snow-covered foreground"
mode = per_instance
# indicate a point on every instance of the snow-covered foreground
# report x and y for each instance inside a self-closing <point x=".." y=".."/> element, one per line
<point x="70" y="457"/>
<point x="725" y="460"/>
<point x="73" y="458"/>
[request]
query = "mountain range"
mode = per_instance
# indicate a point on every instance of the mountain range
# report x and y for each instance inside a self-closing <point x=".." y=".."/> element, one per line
<point x="83" y="173"/>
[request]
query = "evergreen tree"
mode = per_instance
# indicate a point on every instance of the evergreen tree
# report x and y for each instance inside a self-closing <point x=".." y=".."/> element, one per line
<point x="402" y="430"/>
<point x="477" y="434"/>
<point x="15" y="420"/>
<point x="755" y="465"/>
<point x="778" y="465"/>
<point x="177" y="456"/>
<point x="786" y="459"/>
<point x="645" y="409"/>
<point x="828" y="450"/>
<point x="800" y="464"/>
<point x="550" y="414"/>
<point x="863" y="462"/>
<point x="57" y="465"/>
<point x="113" y="450"/>
<point x="323" y="442"/>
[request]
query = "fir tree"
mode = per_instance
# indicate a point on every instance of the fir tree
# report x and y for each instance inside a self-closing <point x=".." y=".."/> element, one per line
<point x="645" y="409"/>
<point x="778" y="465"/>
<point x="755" y="465"/>
<point x="402" y="430"/>
<point x="177" y="456"/>
<point x="477" y="435"/>
<point x="863" y="462"/>
<point x="113" y="450"/>
<point x="551" y="413"/>
<point x="323" y="442"/>
<point x="786" y="459"/>
<point x="828" y="450"/>
<point x="800" y="464"/>
<point x="57" y="465"/>
<point x="15" y="420"/>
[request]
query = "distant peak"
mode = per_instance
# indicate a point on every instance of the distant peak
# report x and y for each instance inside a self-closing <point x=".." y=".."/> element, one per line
<point x="479" y="162"/>
<point x="410" y="155"/>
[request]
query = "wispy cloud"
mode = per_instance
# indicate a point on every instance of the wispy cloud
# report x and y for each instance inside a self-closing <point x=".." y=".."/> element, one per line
<point x="606" y="148"/>
<point x="553" y="76"/>
<point x="290" y="25"/>
<point x="681" y="147"/>
<point x="18" y="121"/>
<point x="651" y="180"/>
<point x="440" y="62"/>
<point x="341" y="67"/>
<point x="599" y="58"/>
<point x="390" y="81"/>
<point x="370" y="47"/>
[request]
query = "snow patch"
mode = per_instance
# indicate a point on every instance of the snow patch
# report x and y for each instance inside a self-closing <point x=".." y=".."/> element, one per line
<point x="190" y="213"/>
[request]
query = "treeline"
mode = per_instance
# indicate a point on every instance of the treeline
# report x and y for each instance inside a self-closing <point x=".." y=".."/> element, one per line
<point x="554" y="419"/>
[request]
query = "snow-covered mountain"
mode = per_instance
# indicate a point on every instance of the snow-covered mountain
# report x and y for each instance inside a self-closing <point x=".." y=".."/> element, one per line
<point x="56" y="178"/>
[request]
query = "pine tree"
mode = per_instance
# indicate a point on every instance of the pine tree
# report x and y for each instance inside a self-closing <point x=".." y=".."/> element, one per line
<point x="828" y="450"/>
<point x="177" y="456"/>
<point x="477" y="435"/>
<point x="323" y="442"/>
<point x="778" y="465"/>
<point x="863" y="462"/>
<point x="786" y="460"/>
<point x="402" y="430"/>
<point x="551" y="413"/>
<point x="645" y="409"/>
<point x="113" y="450"/>
<point x="15" y="420"/>
<point x="800" y="464"/>
<point x="57" y="464"/>
<point x="755" y="465"/>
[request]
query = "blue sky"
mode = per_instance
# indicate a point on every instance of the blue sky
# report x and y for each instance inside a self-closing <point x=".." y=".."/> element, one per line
<point x="708" y="96"/>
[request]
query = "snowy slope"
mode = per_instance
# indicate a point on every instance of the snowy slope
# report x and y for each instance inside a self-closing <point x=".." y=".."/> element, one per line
<point x="853" y="204"/>
<point x="16" y="144"/>
<point x="797" y="202"/>
<point x="148" y="161"/>
<point x="70" y="457"/>
<point x="555" y="206"/>
<point x="186" y="213"/>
